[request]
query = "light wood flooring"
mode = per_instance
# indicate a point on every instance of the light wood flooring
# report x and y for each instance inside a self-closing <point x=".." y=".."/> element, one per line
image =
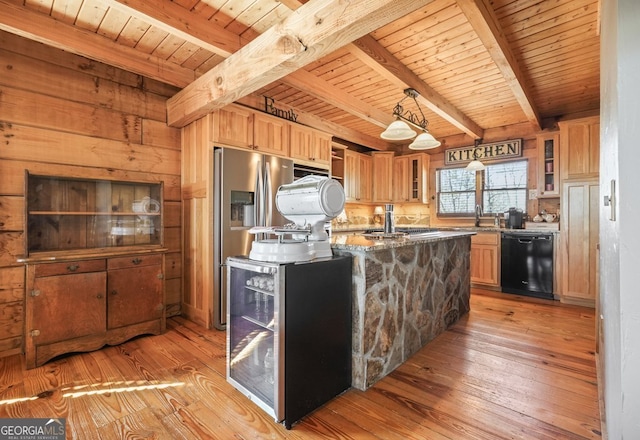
<point x="512" y="368"/>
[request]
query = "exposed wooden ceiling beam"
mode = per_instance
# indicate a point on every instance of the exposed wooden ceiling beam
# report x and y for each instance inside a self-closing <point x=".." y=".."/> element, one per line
<point x="312" y="31"/>
<point x="483" y="20"/>
<point x="372" y="53"/>
<point x="174" y="19"/>
<point x="179" y="21"/>
<point x="44" y="29"/>
<point x="327" y="92"/>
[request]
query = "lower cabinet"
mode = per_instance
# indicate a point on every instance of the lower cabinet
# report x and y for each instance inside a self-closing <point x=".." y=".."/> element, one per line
<point x="485" y="259"/>
<point x="82" y="305"/>
<point x="579" y="241"/>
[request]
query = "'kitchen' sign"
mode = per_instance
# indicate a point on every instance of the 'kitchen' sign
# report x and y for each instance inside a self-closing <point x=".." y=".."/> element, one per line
<point x="484" y="152"/>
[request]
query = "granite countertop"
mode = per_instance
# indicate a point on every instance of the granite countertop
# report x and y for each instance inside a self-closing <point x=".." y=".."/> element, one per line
<point x="359" y="228"/>
<point x="363" y="243"/>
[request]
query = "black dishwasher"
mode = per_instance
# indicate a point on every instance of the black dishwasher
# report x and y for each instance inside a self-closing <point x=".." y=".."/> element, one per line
<point x="527" y="264"/>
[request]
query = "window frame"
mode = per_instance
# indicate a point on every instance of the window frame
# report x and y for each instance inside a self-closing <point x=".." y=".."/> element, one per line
<point x="479" y="189"/>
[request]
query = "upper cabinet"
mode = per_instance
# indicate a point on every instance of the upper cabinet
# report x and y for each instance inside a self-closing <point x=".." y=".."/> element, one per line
<point x="75" y="214"/>
<point x="310" y="146"/>
<point x="233" y="125"/>
<point x="580" y="151"/>
<point x="357" y="177"/>
<point x="238" y="126"/>
<point x="242" y="127"/>
<point x="270" y="134"/>
<point x="382" y="163"/>
<point x="410" y="178"/>
<point x="549" y="164"/>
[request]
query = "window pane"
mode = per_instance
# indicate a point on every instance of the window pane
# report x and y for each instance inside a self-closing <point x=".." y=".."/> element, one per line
<point x="456" y="203"/>
<point x="505" y="186"/>
<point x="456" y="191"/>
<point x="501" y="201"/>
<point x="506" y="175"/>
<point x="456" y="179"/>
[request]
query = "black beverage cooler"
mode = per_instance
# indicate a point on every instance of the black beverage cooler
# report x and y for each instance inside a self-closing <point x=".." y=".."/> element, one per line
<point x="289" y="333"/>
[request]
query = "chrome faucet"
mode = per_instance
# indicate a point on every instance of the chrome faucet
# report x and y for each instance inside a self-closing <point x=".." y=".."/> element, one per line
<point x="478" y="214"/>
<point x="389" y="224"/>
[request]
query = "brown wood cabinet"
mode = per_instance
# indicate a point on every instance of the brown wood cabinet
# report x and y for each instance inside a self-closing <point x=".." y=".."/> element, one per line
<point x="579" y="219"/>
<point x="579" y="241"/>
<point x="82" y="305"/>
<point x="233" y="126"/>
<point x="270" y="134"/>
<point x="549" y="164"/>
<point x="357" y="177"/>
<point x="580" y="148"/>
<point x="485" y="259"/>
<point x="134" y="290"/>
<point x="310" y="146"/>
<point x="238" y="126"/>
<point x="382" y="163"/>
<point x="410" y="178"/>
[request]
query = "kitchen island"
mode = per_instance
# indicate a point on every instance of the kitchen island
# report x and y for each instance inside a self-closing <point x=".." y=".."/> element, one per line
<point x="406" y="291"/>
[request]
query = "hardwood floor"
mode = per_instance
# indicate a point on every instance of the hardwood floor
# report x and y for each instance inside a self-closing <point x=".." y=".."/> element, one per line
<point x="512" y="368"/>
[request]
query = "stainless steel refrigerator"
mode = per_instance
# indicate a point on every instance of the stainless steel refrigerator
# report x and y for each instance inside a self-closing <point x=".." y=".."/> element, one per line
<point x="245" y="186"/>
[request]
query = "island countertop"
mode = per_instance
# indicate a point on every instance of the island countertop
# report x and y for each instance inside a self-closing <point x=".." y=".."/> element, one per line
<point x="362" y="243"/>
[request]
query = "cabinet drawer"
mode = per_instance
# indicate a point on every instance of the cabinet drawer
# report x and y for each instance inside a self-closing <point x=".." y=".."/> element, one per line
<point x="134" y="261"/>
<point x="69" y="267"/>
<point x="485" y="238"/>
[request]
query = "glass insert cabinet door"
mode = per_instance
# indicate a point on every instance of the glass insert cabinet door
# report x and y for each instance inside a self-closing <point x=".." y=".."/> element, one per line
<point x="254" y="332"/>
<point x="72" y="213"/>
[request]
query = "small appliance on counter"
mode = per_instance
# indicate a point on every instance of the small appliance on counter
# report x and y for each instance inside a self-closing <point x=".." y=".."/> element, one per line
<point x="514" y="218"/>
<point x="309" y="203"/>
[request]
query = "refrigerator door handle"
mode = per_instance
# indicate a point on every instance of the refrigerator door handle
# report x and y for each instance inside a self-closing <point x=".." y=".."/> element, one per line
<point x="268" y="196"/>
<point x="259" y="199"/>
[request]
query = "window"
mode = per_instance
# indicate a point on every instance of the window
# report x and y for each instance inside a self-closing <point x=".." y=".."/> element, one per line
<point x="497" y="188"/>
<point x="456" y="191"/>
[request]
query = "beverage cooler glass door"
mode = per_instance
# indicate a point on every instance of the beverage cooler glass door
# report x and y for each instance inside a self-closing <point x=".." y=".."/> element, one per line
<point x="254" y="346"/>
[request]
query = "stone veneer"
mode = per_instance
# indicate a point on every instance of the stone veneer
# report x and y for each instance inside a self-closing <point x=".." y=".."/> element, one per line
<point x="403" y="297"/>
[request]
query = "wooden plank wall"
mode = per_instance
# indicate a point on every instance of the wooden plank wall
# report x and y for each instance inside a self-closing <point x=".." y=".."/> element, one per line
<point x="197" y="209"/>
<point x="62" y="114"/>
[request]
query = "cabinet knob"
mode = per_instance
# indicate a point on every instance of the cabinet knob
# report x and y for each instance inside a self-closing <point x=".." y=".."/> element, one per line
<point x="136" y="261"/>
<point x="99" y="296"/>
<point x="114" y="292"/>
<point x="73" y="268"/>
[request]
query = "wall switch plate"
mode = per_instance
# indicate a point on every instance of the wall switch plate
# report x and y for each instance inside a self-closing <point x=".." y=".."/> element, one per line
<point x="533" y="194"/>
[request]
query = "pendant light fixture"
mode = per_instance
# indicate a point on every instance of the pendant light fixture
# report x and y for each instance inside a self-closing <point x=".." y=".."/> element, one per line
<point x="400" y="130"/>
<point x="475" y="164"/>
<point x="424" y="141"/>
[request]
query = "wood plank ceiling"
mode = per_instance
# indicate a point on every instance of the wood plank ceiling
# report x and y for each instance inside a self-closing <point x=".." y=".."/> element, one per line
<point x="478" y="65"/>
